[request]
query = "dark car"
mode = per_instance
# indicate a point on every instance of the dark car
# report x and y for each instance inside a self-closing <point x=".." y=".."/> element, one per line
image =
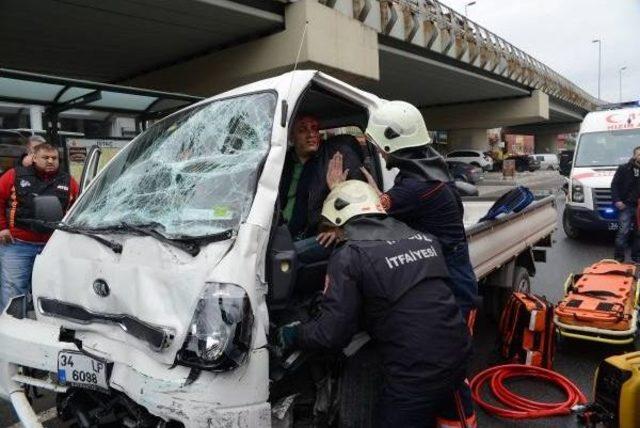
<point x="525" y="163"/>
<point x="465" y="172"/>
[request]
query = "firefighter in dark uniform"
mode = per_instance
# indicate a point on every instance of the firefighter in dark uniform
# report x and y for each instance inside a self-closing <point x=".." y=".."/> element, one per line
<point x="390" y="280"/>
<point x="424" y="195"/>
<point x="22" y="238"/>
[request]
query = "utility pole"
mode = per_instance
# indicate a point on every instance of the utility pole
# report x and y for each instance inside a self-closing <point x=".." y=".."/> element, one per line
<point x="599" y="42"/>
<point x="620" y="82"/>
<point x="466" y="8"/>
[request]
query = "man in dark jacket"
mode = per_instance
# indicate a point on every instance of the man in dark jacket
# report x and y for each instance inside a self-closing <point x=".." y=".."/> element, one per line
<point x="21" y="237"/>
<point x="390" y="279"/>
<point x="625" y="191"/>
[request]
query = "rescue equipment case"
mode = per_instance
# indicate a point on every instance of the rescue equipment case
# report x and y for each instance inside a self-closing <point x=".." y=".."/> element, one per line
<point x="527" y="332"/>
<point x="601" y="304"/>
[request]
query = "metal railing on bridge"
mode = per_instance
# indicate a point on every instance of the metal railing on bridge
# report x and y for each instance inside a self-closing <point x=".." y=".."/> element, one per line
<point x="429" y="24"/>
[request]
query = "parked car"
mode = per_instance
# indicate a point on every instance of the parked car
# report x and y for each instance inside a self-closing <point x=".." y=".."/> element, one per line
<point x="465" y="172"/>
<point x="525" y="163"/>
<point x="548" y="160"/>
<point x="472" y="157"/>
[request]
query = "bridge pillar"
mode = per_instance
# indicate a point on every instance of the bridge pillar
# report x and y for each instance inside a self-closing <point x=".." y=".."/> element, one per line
<point x="545" y="143"/>
<point x="475" y="139"/>
<point x="332" y="42"/>
<point x="545" y="134"/>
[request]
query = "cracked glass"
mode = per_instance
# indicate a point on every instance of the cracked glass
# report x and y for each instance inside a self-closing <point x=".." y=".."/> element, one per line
<point x="191" y="175"/>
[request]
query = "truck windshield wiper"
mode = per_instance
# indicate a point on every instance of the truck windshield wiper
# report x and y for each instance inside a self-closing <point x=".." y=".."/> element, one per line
<point x="114" y="246"/>
<point x="189" y="246"/>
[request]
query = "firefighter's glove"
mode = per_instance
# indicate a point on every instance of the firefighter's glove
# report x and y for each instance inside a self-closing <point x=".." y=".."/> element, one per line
<point x="286" y="337"/>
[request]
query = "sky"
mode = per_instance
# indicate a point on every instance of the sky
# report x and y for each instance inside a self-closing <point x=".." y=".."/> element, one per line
<point x="560" y="33"/>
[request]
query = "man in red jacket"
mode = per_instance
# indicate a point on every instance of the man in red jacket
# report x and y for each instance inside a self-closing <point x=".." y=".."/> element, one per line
<point x="22" y="238"/>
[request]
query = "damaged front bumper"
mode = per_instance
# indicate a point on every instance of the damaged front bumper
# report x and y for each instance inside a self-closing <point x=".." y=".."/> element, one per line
<point x="232" y="399"/>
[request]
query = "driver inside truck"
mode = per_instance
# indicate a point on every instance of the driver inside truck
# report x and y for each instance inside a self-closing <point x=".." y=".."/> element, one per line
<point x="303" y="187"/>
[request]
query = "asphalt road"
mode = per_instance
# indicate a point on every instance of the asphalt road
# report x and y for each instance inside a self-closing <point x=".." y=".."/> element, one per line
<point x="576" y="360"/>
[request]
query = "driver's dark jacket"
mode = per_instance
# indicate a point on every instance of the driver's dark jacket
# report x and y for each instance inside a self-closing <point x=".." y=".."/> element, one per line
<point x="388" y="279"/>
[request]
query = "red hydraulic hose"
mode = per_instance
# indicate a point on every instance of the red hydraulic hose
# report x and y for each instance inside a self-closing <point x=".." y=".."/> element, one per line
<point x="517" y="406"/>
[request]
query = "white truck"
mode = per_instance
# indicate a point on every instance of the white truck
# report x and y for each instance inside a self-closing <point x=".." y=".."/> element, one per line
<point x="606" y="140"/>
<point x="155" y="301"/>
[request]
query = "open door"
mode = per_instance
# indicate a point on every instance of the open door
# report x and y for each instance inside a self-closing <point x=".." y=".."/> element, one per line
<point x="90" y="168"/>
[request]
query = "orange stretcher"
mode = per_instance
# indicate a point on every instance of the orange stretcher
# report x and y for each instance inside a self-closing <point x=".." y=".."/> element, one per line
<point x="601" y="304"/>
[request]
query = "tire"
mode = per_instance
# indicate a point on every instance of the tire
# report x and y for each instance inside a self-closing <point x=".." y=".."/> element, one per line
<point x="521" y="280"/>
<point x="570" y="230"/>
<point x="496" y="297"/>
<point x="360" y="384"/>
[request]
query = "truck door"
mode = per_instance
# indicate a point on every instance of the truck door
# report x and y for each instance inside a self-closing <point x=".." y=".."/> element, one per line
<point x="87" y="157"/>
<point x="90" y="167"/>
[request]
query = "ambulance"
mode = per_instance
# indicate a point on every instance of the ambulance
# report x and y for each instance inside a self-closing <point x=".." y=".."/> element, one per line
<point x="606" y="140"/>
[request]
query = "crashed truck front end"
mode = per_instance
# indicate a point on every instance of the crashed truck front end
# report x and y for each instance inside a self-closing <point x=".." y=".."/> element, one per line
<point x="167" y="322"/>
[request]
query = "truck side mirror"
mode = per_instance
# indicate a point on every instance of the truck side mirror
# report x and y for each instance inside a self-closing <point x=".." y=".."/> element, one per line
<point x="565" y="169"/>
<point x="281" y="268"/>
<point x="47" y="209"/>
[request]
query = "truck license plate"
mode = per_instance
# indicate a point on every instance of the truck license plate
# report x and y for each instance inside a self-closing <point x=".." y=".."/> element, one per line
<point x="77" y="369"/>
<point x="613" y="226"/>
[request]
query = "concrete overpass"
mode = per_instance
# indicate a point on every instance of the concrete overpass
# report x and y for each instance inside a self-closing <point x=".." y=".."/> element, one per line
<point x="464" y="78"/>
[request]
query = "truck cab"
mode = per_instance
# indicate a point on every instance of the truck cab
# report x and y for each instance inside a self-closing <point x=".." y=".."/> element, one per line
<point x="606" y="140"/>
<point x="155" y="302"/>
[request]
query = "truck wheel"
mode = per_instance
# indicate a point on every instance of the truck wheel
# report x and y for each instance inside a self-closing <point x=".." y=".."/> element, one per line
<point x="521" y="280"/>
<point x="360" y="388"/>
<point x="570" y="230"/>
<point x="496" y="297"/>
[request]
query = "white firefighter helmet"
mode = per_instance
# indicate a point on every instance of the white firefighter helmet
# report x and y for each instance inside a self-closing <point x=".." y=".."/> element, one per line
<point x="349" y="199"/>
<point x="397" y="125"/>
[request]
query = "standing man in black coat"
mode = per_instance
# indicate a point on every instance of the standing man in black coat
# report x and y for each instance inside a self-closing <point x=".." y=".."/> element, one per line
<point x="390" y="280"/>
<point x="625" y="191"/>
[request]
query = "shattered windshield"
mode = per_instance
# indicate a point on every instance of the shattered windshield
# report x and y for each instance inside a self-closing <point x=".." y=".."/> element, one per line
<point x="191" y="175"/>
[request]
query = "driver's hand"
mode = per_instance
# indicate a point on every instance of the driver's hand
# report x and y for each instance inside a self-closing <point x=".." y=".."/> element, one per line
<point x="620" y="205"/>
<point x="335" y="172"/>
<point x="5" y="237"/>
<point x="328" y="238"/>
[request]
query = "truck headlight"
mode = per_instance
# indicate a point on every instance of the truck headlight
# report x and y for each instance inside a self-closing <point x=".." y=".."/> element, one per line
<point x="577" y="192"/>
<point x="219" y="336"/>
